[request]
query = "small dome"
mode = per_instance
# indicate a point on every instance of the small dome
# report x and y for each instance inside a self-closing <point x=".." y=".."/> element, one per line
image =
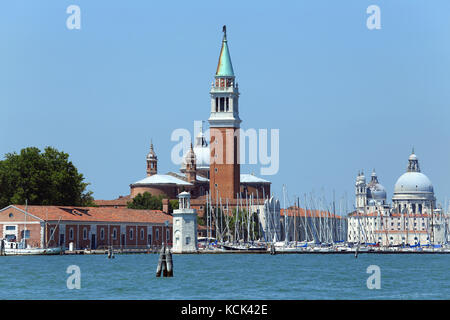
<point x="413" y="182"/>
<point x="202" y="153"/>
<point x="376" y="192"/>
<point x="151" y="155"/>
<point x="412" y="157"/>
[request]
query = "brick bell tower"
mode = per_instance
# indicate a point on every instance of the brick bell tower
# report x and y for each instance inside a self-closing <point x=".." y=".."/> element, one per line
<point x="224" y="123"/>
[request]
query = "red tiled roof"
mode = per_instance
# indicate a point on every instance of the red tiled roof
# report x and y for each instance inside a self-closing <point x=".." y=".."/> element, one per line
<point x="294" y="211"/>
<point x="97" y="214"/>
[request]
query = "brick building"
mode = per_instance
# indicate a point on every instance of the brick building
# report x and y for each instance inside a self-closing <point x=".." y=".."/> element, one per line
<point x="85" y="227"/>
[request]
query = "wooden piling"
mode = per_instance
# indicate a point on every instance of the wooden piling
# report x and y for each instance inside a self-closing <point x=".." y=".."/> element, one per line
<point x="161" y="268"/>
<point x="169" y="262"/>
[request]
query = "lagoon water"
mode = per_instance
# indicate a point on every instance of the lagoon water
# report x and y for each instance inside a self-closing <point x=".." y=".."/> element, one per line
<point x="227" y="276"/>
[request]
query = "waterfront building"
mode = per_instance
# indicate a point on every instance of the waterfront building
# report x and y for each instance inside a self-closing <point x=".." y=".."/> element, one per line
<point x="412" y="219"/>
<point x="185" y="226"/>
<point x="85" y="227"/>
<point x="315" y="226"/>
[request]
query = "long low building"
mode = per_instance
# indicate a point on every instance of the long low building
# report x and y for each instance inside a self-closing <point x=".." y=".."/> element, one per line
<point x="85" y="227"/>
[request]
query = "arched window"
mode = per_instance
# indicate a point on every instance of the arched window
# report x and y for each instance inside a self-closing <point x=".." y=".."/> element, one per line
<point x="131" y="234"/>
<point x="142" y="234"/>
<point x="102" y="233"/>
<point x="85" y="233"/>
<point x="71" y="234"/>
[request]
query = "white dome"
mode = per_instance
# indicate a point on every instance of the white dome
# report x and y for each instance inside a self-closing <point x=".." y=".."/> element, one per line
<point x="413" y="182"/>
<point x="377" y="192"/>
<point x="202" y="153"/>
<point x="203" y="157"/>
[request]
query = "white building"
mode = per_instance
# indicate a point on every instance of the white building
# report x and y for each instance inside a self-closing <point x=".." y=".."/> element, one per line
<point x="412" y="219"/>
<point x="184" y="226"/>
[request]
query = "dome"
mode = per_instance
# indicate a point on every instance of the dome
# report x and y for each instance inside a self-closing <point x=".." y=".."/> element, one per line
<point x="376" y="192"/>
<point x="412" y="157"/>
<point x="202" y="153"/>
<point x="151" y="155"/>
<point x="413" y="182"/>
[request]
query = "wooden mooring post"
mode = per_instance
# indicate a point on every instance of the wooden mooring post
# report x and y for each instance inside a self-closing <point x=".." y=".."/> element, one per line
<point x="165" y="264"/>
<point x="2" y="248"/>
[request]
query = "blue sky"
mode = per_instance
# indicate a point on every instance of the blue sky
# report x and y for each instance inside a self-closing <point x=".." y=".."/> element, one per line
<point x="344" y="97"/>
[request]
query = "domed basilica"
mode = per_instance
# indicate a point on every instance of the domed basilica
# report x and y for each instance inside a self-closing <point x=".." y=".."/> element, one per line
<point x="413" y="191"/>
<point x="412" y="219"/>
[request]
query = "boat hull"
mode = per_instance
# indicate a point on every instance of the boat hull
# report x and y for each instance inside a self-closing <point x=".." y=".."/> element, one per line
<point x="32" y="251"/>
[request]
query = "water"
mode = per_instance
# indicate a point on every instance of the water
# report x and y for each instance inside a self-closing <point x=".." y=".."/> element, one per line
<point x="227" y="276"/>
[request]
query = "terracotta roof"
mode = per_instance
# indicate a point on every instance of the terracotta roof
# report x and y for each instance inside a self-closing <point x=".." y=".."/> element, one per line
<point x="111" y="203"/>
<point x="95" y="214"/>
<point x="376" y="213"/>
<point x="293" y="211"/>
<point x="401" y="231"/>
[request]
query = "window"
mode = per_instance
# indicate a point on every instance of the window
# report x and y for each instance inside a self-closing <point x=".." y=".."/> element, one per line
<point x="114" y="234"/>
<point x="85" y="234"/>
<point x="102" y="233"/>
<point x="25" y="234"/>
<point x="142" y="234"/>
<point x="11" y="215"/>
<point x="188" y="240"/>
<point x="52" y="232"/>
<point x="71" y="234"/>
<point x="167" y="235"/>
<point x="222" y="104"/>
<point x="10" y="228"/>
<point x="157" y="234"/>
<point x="131" y="234"/>
<point x="149" y="238"/>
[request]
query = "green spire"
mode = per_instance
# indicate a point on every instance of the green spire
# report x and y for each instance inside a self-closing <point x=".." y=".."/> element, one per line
<point x="224" y="68"/>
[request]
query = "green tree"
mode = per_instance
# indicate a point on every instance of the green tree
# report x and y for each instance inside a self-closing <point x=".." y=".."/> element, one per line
<point x="146" y="201"/>
<point x="173" y="205"/>
<point x="47" y="178"/>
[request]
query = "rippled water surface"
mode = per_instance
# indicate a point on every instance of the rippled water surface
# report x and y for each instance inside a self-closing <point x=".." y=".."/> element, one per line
<point x="227" y="276"/>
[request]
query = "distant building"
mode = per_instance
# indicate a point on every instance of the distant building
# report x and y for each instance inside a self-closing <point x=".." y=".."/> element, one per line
<point x="85" y="227"/>
<point x="412" y="219"/>
<point x="316" y="226"/>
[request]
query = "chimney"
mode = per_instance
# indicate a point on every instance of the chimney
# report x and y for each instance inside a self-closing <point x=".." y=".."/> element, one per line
<point x="165" y="205"/>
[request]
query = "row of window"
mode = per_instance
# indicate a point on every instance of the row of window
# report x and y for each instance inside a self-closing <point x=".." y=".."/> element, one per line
<point x="113" y="235"/>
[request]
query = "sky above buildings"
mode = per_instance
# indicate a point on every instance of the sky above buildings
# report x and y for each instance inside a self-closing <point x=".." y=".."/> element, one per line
<point x="345" y="98"/>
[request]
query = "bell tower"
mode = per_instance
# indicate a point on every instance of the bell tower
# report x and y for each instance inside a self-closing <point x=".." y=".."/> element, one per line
<point x="191" y="166"/>
<point x="224" y="125"/>
<point x="152" y="162"/>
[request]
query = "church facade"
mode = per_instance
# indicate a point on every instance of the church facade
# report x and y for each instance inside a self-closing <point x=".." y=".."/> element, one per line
<point x="412" y="219"/>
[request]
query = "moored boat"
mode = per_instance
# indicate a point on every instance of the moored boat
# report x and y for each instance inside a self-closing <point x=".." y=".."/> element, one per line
<point x="19" y="248"/>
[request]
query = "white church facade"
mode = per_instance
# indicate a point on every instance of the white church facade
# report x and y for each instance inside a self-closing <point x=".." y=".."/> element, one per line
<point x="412" y="219"/>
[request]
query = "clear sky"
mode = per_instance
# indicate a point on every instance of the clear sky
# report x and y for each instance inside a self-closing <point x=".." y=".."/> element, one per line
<point x="344" y="97"/>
